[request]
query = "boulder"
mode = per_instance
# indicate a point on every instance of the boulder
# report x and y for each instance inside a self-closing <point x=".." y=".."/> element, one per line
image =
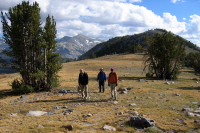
<point x="68" y="127"/>
<point x="141" y="122"/>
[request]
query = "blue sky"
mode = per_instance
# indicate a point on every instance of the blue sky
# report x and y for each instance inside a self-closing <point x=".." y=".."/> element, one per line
<point x="181" y="9"/>
<point x="105" y="19"/>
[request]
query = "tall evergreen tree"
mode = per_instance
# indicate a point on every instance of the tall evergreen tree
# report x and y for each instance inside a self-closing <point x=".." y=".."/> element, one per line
<point x="51" y="58"/>
<point x="30" y="47"/>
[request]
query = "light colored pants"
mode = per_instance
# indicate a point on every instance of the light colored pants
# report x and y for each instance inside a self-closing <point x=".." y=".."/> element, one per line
<point x="84" y="91"/>
<point x="113" y="91"/>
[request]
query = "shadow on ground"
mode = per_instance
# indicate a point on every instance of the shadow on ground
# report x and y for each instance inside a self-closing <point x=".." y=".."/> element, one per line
<point x="190" y="88"/>
<point x="7" y="93"/>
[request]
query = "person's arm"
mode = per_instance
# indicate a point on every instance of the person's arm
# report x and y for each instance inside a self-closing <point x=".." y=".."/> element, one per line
<point x="109" y="80"/>
<point x="86" y="78"/>
<point x="116" y="79"/>
<point x="79" y="80"/>
<point x="104" y="77"/>
<point x="97" y="77"/>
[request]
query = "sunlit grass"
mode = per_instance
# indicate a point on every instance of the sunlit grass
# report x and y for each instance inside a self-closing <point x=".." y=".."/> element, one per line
<point x="154" y="99"/>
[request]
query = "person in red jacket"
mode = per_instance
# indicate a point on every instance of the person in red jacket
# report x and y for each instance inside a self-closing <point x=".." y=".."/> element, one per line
<point x="113" y="82"/>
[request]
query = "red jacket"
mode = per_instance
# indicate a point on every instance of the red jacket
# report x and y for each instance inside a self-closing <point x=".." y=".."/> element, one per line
<point x="113" y="78"/>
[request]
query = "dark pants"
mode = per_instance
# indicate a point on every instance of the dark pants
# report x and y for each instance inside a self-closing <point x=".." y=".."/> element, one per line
<point x="101" y="86"/>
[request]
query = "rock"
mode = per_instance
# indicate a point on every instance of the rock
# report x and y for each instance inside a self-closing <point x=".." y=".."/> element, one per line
<point x="197" y="111"/>
<point x="196" y="121"/>
<point x="177" y="94"/>
<point x="110" y="128"/>
<point x="56" y="107"/>
<point x="192" y="114"/>
<point x="67" y="112"/>
<point x="24" y="97"/>
<point x="115" y="102"/>
<point x="69" y="91"/>
<point x="63" y="91"/>
<point x="50" y="113"/>
<point x="89" y="115"/>
<point x="187" y="109"/>
<point x="40" y="126"/>
<point x="129" y="88"/>
<point x="132" y="104"/>
<point x="120" y="113"/>
<point x="13" y="115"/>
<point x="123" y="92"/>
<point x="36" y="113"/>
<point x="68" y="127"/>
<point x="142" y="80"/>
<point x="120" y="89"/>
<point x="141" y="122"/>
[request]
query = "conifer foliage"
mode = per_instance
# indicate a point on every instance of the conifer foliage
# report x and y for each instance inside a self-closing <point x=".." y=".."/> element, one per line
<point x="164" y="55"/>
<point x="31" y="46"/>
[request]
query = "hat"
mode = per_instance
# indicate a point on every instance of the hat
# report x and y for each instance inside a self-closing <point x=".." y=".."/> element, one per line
<point x="112" y="69"/>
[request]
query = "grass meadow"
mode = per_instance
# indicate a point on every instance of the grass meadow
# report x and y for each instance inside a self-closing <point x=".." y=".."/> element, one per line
<point x="154" y="99"/>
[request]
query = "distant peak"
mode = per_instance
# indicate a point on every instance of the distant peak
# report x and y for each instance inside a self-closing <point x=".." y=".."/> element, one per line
<point x="80" y="35"/>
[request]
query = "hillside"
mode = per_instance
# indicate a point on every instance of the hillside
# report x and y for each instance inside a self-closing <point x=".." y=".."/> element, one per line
<point x="161" y="101"/>
<point x="124" y="44"/>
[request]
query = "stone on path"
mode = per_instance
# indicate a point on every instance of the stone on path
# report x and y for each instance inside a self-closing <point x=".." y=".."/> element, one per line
<point x="110" y="128"/>
<point x="36" y="113"/>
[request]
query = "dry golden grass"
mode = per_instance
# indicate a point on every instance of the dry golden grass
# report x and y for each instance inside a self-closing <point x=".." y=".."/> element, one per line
<point x="153" y="99"/>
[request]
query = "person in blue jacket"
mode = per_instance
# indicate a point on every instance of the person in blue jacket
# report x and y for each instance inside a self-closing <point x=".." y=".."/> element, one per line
<point x="101" y="78"/>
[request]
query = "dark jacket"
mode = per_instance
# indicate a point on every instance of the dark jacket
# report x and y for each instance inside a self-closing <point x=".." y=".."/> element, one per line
<point x="101" y="76"/>
<point x="83" y="79"/>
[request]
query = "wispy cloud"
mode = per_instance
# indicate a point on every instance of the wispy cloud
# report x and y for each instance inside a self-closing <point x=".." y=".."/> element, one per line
<point x="174" y="1"/>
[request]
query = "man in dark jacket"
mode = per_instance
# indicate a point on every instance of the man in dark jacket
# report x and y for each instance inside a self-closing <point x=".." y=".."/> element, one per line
<point x="83" y="83"/>
<point x="101" y="78"/>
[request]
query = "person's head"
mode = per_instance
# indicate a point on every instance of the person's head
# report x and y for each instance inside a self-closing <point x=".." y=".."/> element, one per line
<point x="81" y="70"/>
<point x="112" y="69"/>
<point x="101" y="70"/>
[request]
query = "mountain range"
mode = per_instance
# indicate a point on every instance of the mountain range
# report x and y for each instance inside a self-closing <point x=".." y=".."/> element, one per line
<point x="73" y="47"/>
<point x="81" y="46"/>
<point x="125" y="44"/>
<point x="69" y="47"/>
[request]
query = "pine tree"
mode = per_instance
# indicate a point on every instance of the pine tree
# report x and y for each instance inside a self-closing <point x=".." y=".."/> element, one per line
<point x="31" y="47"/>
<point x="51" y="58"/>
<point x="164" y="55"/>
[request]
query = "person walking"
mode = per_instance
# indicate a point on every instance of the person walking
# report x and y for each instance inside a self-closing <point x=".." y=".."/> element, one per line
<point x="83" y="83"/>
<point x="101" y="78"/>
<point x="113" y="82"/>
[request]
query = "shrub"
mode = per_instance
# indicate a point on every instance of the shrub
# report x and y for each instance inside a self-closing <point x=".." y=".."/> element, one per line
<point x="19" y="87"/>
<point x="153" y="130"/>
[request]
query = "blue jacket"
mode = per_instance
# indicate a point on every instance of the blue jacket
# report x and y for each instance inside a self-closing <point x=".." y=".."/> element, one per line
<point x="101" y="76"/>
